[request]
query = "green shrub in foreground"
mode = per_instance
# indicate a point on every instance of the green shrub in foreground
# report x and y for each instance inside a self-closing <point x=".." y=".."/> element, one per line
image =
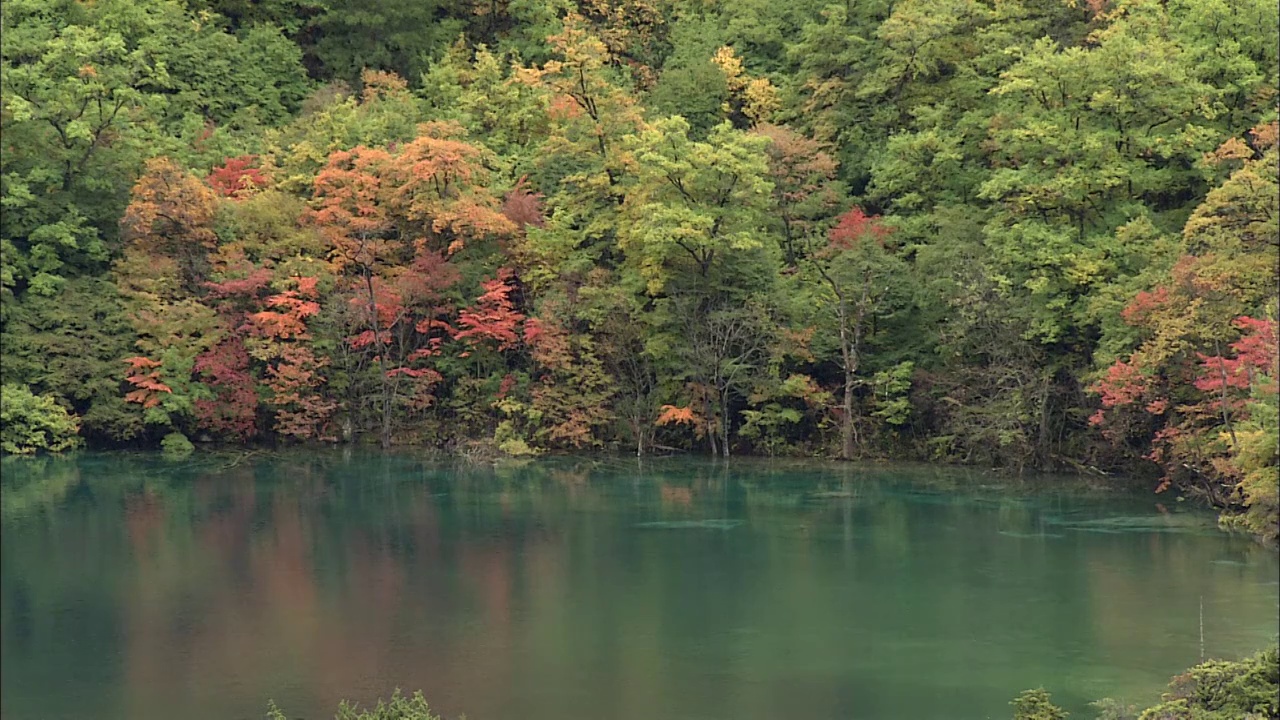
<point x="1035" y="705"/>
<point x="399" y="707"/>
<point x="1247" y="689"/>
<point x="34" y="423"/>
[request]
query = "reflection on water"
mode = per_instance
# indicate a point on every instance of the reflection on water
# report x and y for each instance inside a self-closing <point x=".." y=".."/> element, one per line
<point x="136" y="588"/>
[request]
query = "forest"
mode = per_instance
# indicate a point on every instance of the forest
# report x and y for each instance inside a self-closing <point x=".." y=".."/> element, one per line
<point x="1026" y="234"/>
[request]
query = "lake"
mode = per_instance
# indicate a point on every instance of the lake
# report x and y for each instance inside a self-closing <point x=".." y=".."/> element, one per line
<point x="135" y="587"/>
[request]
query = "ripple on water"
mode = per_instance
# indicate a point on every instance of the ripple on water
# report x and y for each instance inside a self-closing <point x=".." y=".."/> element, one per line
<point x="712" y="524"/>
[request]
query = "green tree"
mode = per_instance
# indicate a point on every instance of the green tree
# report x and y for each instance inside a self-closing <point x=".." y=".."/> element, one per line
<point x="696" y="210"/>
<point x="1222" y="689"/>
<point x="74" y="117"/>
<point x="72" y="345"/>
<point x="858" y="283"/>
<point x="34" y="423"/>
<point x="399" y="36"/>
<point x="690" y="84"/>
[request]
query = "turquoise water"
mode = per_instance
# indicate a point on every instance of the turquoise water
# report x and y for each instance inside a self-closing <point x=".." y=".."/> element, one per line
<point x="132" y="587"/>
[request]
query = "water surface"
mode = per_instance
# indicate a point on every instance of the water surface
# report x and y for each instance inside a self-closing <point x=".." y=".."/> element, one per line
<point x="132" y="587"/>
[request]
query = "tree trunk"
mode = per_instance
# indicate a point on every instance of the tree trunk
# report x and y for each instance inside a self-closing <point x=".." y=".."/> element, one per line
<point x="383" y="380"/>
<point x="1042" y="441"/>
<point x="851" y="354"/>
<point x="850" y="339"/>
<point x="846" y="425"/>
<point x="788" y="242"/>
<point x="724" y="422"/>
<point x="637" y="427"/>
<point x="386" y="423"/>
<point x="1222" y="371"/>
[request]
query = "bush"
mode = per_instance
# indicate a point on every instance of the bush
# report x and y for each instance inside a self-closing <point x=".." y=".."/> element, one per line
<point x="34" y="423"/>
<point x="1246" y="689"/>
<point x="1110" y="709"/>
<point x="176" y="446"/>
<point x="399" y="708"/>
<point x="1035" y="705"/>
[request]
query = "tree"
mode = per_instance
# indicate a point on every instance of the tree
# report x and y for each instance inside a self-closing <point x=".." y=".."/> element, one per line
<point x="805" y="192"/>
<point x="351" y="212"/>
<point x="391" y="35"/>
<point x="171" y="214"/>
<point x="1205" y="341"/>
<point x="493" y="317"/>
<point x="859" y="276"/>
<point x="1256" y="455"/>
<point x="695" y="207"/>
<point x="1222" y="689"/>
<point x="1084" y="137"/>
<point x="71" y="345"/>
<point x="751" y="100"/>
<point x="35" y="423"/>
<point x="73" y="113"/>
<point x="992" y="390"/>
<point x="92" y="89"/>
<point x="571" y="224"/>
<point x="238" y="177"/>
<point x="280" y="336"/>
<point x="727" y="350"/>
<point x="393" y="218"/>
<point x="572" y="393"/>
<point x="491" y="96"/>
<point x="618" y="324"/>
<point x="691" y="84"/>
<point x="225" y="368"/>
<point x="589" y="110"/>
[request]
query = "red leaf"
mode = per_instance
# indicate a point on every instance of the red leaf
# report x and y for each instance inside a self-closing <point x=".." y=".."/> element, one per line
<point x="237" y="177"/>
<point x="494" y="317"/>
<point x="855" y="226"/>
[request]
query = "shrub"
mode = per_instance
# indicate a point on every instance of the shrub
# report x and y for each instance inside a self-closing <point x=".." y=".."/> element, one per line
<point x="34" y="423"/>
<point x="176" y="446"/>
<point x="1224" y="690"/>
<point x="1035" y="705"/>
<point x="400" y="707"/>
<point x="1247" y="689"/>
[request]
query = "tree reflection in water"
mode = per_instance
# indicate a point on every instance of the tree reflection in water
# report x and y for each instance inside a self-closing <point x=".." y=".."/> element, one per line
<point x="606" y="587"/>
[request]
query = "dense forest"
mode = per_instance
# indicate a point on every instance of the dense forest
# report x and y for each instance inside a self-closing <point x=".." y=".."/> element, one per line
<point x="1026" y="233"/>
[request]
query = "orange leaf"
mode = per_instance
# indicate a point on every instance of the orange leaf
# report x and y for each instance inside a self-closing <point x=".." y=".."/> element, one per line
<point x="677" y="415"/>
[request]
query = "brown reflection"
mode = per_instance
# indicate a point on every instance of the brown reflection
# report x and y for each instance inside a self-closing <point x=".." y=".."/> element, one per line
<point x="509" y="595"/>
<point x="261" y="619"/>
<point x="680" y="497"/>
<point x="143" y="516"/>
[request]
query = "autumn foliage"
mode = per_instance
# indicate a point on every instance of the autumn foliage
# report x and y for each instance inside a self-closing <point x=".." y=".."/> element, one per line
<point x="238" y="177"/>
<point x="171" y="212"/>
<point x="493" y="317"/>
<point x="292" y="374"/>
<point x="146" y="382"/>
<point x="854" y="227"/>
<point x="1025" y="237"/>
